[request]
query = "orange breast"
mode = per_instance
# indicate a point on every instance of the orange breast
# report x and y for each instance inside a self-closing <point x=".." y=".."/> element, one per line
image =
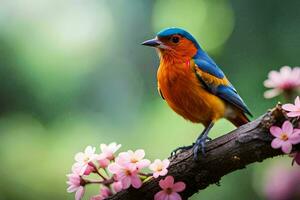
<point x="186" y="96"/>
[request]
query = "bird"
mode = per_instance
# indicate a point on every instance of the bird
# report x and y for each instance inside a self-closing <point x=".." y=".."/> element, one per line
<point x="194" y="86"/>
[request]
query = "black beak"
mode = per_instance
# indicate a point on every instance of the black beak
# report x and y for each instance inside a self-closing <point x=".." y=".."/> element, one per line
<point x="152" y="43"/>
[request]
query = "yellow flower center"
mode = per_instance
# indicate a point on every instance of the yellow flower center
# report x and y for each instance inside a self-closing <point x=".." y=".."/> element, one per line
<point x="159" y="168"/>
<point x="128" y="172"/>
<point x="284" y="137"/>
<point x="86" y="159"/>
<point x="134" y="160"/>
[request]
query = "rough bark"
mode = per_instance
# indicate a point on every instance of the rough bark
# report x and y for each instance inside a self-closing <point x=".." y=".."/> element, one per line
<point x="248" y="144"/>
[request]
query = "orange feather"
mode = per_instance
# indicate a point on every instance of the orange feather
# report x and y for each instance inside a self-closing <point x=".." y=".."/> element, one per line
<point x="186" y="96"/>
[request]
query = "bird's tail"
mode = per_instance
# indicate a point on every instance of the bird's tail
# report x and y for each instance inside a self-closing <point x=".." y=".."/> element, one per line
<point x="239" y="120"/>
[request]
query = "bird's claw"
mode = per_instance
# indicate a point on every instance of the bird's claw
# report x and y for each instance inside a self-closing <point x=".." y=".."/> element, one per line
<point x="178" y="149"/>
<point x="200" y="143"/>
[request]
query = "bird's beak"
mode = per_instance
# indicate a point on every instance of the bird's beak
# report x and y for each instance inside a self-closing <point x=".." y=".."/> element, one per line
<point x="152" y="43"/>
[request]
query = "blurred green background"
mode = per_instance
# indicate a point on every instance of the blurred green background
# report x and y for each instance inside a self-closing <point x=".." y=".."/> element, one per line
<point x="73" y="73"/>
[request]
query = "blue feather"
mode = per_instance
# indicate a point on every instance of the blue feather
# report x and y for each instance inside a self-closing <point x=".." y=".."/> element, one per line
<point x="229" y="94"/>
<point x="206" y="64"/>
<point x="171" y="31"/>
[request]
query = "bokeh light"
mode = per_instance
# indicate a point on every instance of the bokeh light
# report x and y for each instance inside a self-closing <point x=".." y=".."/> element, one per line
<point x="210" y="21"/>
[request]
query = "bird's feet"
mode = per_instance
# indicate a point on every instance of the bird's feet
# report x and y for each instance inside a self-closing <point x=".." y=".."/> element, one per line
<point x="178" y="149"/>
<point x="200" y="144"/>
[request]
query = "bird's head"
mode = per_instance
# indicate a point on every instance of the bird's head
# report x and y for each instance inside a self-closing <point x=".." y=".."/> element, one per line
<point x="174" y="43"/>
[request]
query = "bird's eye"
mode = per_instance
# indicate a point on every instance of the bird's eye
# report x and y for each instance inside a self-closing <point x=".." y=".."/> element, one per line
<point x="175" y="39"/>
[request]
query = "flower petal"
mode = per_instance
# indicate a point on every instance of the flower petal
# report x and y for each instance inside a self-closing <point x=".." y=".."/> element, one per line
<point x="179" y="186"/>
<point x="286" y="147"/>
<point x="161" y="195"/>
<point x="79" y="157"/>
<point x="269" y="83"/>
<point x="285" y="71"/>
<point x="163" y="172"/>
<point x="297" y="102"/>
<point x="103" y="147"/>
<point x="289" y="107"/>
<point x="124" y="157"/>
<point x="275" y="131"/>
<point x="295" y="137"/>
<point x="103" y="163"/>
<point x="72" y="188"/>
<point x="82" y="170"/>
<point x="276" y="143"/>
<point x="275" y="78"/>
<point x="90" y="150"/>
<point x="294" y="114"/>
<point x="79" y="194"/>
<point x="97" y="197"/>
<point x="152" y="166"/>
<point x="174" y="196"/>
<point x="117" y="186"/>
<point x="76" y="168"/>
<point x="287" y="127"/>
<point x="136" y="182"/>
<point x="143" y="163"/>
<point x="126" y="181"/>
<point x="168" y="182"/>
<point x="114" y="168"/>
<point x="156" y="174"/>
<point x="140" y="153"/>
<point x="272" y="93"/>
<point x="296" y="131"/>
<point x="166" y="163"/>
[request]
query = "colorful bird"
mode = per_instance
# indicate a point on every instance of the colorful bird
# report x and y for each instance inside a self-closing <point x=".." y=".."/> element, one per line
<point x="193" y="85"/>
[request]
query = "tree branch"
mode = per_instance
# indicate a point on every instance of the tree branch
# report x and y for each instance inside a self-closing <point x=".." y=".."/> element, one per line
<point x="248" y="144"/>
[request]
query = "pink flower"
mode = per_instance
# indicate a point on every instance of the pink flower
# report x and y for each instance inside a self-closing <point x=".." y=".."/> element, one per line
<point x="159" y="167"/>
<point x="133" y="158"/>
<point x="296" y="158"/>
<point x="79" y="193"/>
<point x="74" y="182"/>
<point x="89" y="170"/>
<point x="97" y="197"/>
<point x="126" y="174"/>
<point x="102" y="160"/>
<point x="77" y="167"/>
<point x="104" y="193"/>
<point x="117" y="186"/>
<point x="170" y="189"/>
<point x="286" y="79"/>
<point x="109" y="150"/>
<point x="84" y="158"/>
<point x="294" y="110"/>
<point x="285" y="137"/>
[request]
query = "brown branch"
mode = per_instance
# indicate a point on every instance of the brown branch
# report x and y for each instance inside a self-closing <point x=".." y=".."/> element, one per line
<point x="247" y="144"/>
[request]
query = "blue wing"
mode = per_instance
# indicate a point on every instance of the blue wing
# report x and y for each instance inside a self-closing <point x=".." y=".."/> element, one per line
<point x="206" y="64"/>
<point x="226" y="92"/>
<point x="229" y="94"/>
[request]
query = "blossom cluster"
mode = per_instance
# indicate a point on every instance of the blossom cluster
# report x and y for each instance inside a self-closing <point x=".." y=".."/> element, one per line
<point x="286" y="81"/>
<point x="287" y="135"/>
<point x="116" y="173"/>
